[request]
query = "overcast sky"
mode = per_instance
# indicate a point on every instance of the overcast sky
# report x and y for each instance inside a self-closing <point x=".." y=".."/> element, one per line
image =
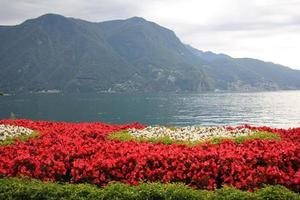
<point x="263" y="29"/>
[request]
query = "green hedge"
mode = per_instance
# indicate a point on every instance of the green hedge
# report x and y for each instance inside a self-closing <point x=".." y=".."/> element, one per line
<point x="26" y="189"/>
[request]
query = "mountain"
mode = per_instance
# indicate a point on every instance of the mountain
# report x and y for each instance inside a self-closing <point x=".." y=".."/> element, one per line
<point x="56" y="53"/>
<point x="246" y="73"/>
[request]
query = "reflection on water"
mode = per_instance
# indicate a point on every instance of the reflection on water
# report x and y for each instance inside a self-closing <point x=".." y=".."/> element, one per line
<point x="277" y="109"/>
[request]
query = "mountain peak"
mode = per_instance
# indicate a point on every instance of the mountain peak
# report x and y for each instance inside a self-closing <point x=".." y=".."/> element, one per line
<point x="51" y="17"/>
<point x="48" y="18"/>
<point x="50" y="21"/>
<point x="136" y="19"/>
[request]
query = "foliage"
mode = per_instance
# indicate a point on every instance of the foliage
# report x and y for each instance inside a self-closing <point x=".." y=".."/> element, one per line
<point x="122" y="136"/>
<point x="261" y="135"/>
<point x="20" y="138"/>
<point x="20" y="189"/>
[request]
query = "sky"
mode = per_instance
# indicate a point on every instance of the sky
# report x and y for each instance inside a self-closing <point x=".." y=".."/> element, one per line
<point x="264" y="29"/>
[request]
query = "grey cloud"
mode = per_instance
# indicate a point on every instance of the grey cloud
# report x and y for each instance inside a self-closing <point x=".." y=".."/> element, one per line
<point x="250" y="27"/>
<point x="13" y="12"/>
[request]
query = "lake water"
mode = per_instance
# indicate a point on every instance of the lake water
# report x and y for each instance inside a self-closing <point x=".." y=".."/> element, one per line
<point x="276" y="109"/>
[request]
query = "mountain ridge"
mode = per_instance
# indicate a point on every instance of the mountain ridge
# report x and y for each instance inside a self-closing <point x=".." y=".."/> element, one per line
<point x="53" y="52"/>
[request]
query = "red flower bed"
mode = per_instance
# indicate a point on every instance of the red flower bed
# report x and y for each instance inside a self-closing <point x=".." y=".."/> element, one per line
<point x="80" y="152"/>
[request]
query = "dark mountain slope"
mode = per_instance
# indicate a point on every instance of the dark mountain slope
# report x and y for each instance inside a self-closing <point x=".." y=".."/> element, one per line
<point x="162" y="60"/>
<point x="53" y="52"/>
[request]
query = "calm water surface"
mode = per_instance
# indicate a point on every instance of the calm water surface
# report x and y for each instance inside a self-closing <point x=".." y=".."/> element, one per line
<point x="276" y="109"/>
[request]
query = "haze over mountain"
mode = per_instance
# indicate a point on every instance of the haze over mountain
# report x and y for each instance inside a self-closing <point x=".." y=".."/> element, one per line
<point x="53" y="52"/>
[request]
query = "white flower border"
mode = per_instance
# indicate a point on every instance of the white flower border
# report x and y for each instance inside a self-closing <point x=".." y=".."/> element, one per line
<point x="8" y="131"/>
<point x="189" y="133"/>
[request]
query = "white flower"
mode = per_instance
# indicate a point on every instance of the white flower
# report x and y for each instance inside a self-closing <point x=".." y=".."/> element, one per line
<point x="189" y="133"/>
<point x="7" y="131"/>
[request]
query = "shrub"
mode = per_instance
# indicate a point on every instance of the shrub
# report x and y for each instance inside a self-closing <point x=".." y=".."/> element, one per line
<point x="232" y="194"/>
<point x="21" y="189"/>
<point x="14" y="188"/>
<point x="276" y="193"/>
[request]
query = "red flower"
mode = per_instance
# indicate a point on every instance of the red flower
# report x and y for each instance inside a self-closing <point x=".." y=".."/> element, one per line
<point x="81" y="152"/>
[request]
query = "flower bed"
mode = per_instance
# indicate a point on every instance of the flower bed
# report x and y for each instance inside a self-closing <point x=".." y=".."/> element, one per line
<point x="190" y="133"/>
<point x="11" y="131"/>
<point x="82" y="153"/>
<point x="168" y="139"/>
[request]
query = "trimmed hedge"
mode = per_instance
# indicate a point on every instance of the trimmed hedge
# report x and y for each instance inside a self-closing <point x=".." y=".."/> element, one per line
<point x="21" y="189"/>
